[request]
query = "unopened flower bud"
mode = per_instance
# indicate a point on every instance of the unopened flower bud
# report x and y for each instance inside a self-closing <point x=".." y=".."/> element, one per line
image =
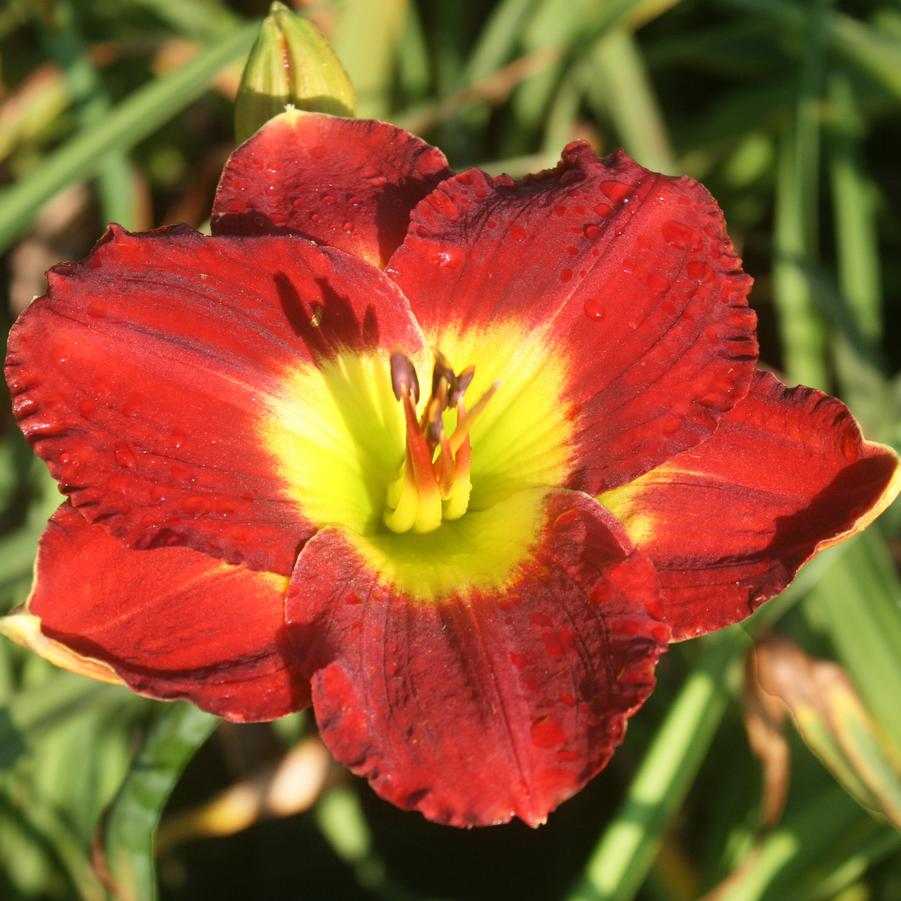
<point x="290" y="63"/>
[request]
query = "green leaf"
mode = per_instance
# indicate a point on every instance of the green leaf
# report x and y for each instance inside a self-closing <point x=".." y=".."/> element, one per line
<point x="131" y="121"/>
<point x="621" y="860"/>
<point x="621" y="85"/>
<point x="858" y="608"/>
<point x="172" y="741"/>
<point x="796" y="239"/>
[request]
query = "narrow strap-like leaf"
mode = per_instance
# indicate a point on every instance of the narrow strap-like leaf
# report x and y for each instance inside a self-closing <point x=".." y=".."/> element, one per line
<point x="136" y="811"/>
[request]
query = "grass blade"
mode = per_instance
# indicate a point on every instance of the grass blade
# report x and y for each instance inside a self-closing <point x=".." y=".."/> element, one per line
<point x="622" y="858"/>
<point x="622" y="86"/>
<point x="180" y="730"/>
<point x="801" y="328"/>
<point x="131" y="121"/>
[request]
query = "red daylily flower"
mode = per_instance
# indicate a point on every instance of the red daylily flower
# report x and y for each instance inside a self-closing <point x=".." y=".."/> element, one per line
<point x="287" y="484"/>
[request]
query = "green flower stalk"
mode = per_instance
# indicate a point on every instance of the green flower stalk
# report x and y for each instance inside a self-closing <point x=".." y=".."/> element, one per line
<point x="291" y="63"/>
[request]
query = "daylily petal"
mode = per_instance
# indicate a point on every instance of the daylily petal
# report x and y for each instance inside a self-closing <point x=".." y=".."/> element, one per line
<point x="349" y="183"/>
<point x="24" y="629"/>
<point x="171" y="622"/>
<point x="157" y="379"/>
<point x="730" y="522"/>
<point x="628" y="276"/>
<point x="481" y="704"/>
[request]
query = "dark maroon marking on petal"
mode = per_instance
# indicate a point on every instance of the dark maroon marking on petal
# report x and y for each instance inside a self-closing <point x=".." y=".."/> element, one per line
<point x="141" y="379"/>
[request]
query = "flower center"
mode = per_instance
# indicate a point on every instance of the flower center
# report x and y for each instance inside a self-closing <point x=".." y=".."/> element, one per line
<point x="434" y="482"/>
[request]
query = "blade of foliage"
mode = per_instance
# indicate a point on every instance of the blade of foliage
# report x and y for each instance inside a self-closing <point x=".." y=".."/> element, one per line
<point x="871" y="51"/>
<point x="621" y="84"/>
<point x="569" y="28"/>
<point x="131" y="121"/>
<point x="859" y="361"/>
<point x="172" y="741"/>
<point x="36" y="711"/>
<point x="343" y="825"/>
<point x="199" y="19"/>
<point x="858" y="608"/>
<point x="92" y="105"/>
<point x="366" y="39"/>
<point x="496" y="43"/>
<point x="618" y="865"/>
<point x="798" y="856"/>
<point x="801" y="328"/>
<point x="853" y="196"/>
<point x="831" y="720"/>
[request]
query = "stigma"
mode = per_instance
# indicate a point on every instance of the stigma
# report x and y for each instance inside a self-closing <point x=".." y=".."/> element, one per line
<point x="434" y="481"/>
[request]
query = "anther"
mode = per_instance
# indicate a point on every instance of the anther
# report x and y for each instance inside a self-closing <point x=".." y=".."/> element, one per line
<point x="431" y="487"/>
<point x="403" y="377"/>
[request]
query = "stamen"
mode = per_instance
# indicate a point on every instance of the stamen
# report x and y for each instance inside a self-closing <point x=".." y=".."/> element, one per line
<point x="403" y="376"/>
<point x="459" y="386"/>
<point x="417" y="501"/>
<point x="467" y="420"/>
<point x="428" y="490"/>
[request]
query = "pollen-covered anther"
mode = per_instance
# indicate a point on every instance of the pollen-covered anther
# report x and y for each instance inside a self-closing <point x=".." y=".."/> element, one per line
<point x="434" y="480"/>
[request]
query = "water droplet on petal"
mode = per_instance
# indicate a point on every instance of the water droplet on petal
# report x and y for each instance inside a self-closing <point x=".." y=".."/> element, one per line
<point x="696" y="269"/>
<point x="125" y="456"/>
<point x="195" y="504"/>
<point x="594" y="310"/>
<point x="518" y="233"/>
<point x="670" y="425"/>
<point x="615" y="190"/>
<point x="603" y="209"/>
<point x="566" y="275"/>
<point x="591" y="232"/>
<point x="677" y="233"/>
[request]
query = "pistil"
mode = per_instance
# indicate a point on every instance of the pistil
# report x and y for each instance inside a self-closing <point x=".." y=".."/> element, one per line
<point x="434" y="481"/>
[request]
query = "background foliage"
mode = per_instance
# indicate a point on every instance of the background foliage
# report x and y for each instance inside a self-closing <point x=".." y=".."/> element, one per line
<point x="791" y="114"/>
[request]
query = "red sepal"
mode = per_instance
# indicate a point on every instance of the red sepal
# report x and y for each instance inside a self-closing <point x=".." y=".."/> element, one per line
<point x="145" y="377"/>
<point x="349" y="183"/>
<point x="482" y="706"/>
<point x="730" y="522"/>
<point x="630" y="274"/>
<point x="171" y="622"/>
